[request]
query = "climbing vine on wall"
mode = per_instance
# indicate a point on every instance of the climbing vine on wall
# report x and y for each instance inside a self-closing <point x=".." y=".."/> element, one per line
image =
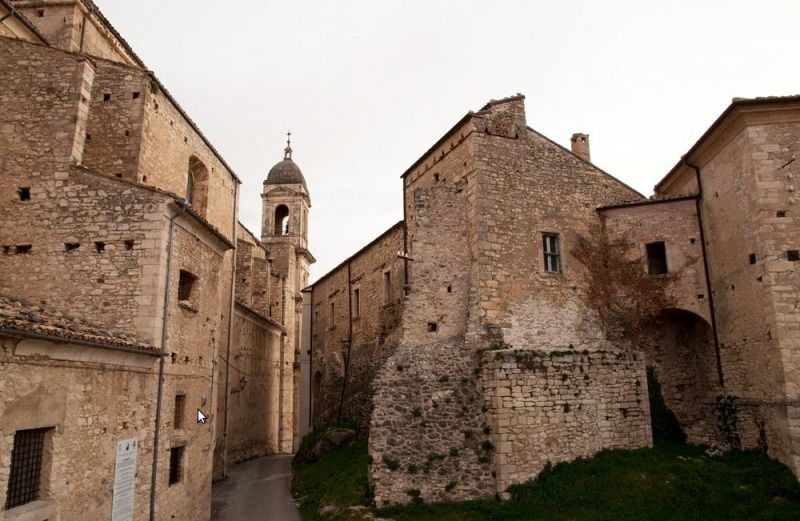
<point x="619" y="288"/>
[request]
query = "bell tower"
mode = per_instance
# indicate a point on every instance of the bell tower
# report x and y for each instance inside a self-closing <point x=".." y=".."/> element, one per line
<point x="284" y="232"/>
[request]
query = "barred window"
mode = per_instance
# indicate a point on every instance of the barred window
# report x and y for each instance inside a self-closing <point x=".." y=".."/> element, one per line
<point x="24" y="481"/>
<point x="175" y="464"/>
<point x="552" y="253"/>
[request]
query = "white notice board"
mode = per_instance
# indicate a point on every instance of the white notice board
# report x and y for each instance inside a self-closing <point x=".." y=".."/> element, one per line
<point x="124" y="480"/>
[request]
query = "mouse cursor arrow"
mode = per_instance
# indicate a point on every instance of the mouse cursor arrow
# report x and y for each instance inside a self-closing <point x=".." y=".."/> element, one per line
<point x="201" y="417"/>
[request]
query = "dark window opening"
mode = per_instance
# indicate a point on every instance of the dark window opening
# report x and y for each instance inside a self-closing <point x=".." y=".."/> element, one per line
<point x="107" y="97"/>
<point x="356" y="302"/>
<point x="387" y="287"/>
<point x="691" y="241"/>
<point x="185" y="285"/>
<point x="752" y="258"/>
<point x="700" y="296"/>
<point x="180" y="409"/>
<point x="24" y="193"/>
<point x="40" y="13"/>
<point x="552" y="253"/>
<point x="99" y="246"/>
<point x="135" y="95"/>
<point x="781" y="213"/>
<point x="88" y="137"/>
<point x="127" y="133"/>
<point x="118" y="175"/>
<point x="24" y="479"/>
<point x="433" y="327"/>
<point x="6" y="249"/>
<point x="450" y="289"/>
<point x="656" y="258"/>
<point x="435" y="178"/>
<point x="23" y="248"/>
<point x="282" y="220"/>
<point x="175" y="463"/>
<point x="793" y="255"/>
<point x="129" y="244"/>
<point x="70" y="246"/>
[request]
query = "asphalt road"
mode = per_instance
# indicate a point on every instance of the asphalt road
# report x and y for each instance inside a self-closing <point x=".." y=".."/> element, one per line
<point x="256" y="490"/>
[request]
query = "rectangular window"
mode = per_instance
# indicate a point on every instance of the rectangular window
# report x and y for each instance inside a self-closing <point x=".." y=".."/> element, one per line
<point x="180" y="409"/>
<point x="552" y="253"/>
<point x="185" y="285"/>
<point x="332" y="317"/>
<point x="387" y="287"/>
<point x="356" y="302"/>
<point x="175" y="464"/>
<point x="656" y="258"/>
<point x="24" y="480"/>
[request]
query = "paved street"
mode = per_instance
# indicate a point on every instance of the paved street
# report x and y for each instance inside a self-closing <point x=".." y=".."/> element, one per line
<point x="256" y="490"/>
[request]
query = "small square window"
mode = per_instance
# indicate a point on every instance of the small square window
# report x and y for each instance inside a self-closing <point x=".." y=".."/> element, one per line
<point x="135" y="95"/>
<point x="552" y="253"/>
<point x="752" y="258"/>
<point x="656" y="258"/>
<point x="24" y="193"/>
<point x="793" y="255"/>
<point x="185" y="285"/>
<point x="107" y="96"/>
<point x="99" y="246"/>
<point x="433" y="327"/>
<point x="781" y="213"/>
<point x="175" y="465"/>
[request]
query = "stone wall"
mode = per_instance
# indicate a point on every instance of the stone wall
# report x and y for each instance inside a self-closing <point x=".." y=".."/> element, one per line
<point x="91" y="398"/>
<point x="373" y="315"/>
<point x="558" y="405"/>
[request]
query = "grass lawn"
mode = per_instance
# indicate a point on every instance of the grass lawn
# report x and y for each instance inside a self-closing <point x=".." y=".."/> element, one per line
<point x="670" y="482"/>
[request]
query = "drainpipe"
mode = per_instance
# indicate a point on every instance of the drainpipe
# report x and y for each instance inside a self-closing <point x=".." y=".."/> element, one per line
<point x="280" y="394"/>
<point x="230" y="337"/>
<point x="699" y="210"/>
<point x="164" y="337"/>
<point x="349" y="339"/>
<point x="311" y="361"/>
<point x="406" y="288"/>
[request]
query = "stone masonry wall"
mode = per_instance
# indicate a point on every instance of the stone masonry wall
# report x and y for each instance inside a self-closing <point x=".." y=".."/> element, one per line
<point x="428" y="429"/>
<point x="375" y="319"/>
<point x="555" y="406"/>
<point x="91" y="398"/>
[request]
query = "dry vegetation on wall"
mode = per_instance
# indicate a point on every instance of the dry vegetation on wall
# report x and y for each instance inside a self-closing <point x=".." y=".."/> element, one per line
<point x="625" y="297"/>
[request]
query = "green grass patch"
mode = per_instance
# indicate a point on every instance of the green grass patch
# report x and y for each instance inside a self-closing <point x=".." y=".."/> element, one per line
<point x="672" y="482"/>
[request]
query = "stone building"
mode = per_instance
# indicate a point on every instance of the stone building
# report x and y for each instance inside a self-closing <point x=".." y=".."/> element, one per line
<point x="131" y="298"/>
<point x="488" y="359"/>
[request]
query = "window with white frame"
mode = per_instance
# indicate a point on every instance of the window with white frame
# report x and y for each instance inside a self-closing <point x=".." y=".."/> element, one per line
<point x="552" y="253"/>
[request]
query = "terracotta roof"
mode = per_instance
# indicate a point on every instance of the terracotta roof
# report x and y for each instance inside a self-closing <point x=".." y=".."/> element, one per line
<point x="28" y="320"/>
<point x="652" y="200"/>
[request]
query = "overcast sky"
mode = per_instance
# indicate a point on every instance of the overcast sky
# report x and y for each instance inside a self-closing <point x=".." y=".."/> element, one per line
<point x="367" y="86"/>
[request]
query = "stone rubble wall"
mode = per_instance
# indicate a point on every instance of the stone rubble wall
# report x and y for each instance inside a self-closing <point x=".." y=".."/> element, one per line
<point x="429" y="433"/>
<point x="558" y="405"/>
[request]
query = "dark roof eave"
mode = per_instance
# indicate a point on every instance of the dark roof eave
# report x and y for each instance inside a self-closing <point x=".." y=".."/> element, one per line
<point x="565" y="149"/>
<point x="436" y="145"/>
<point x="647" y="202"/>
<point x="356" y="254"/>
<point x="149" y="350"/>
<point x="736" y="103"/>
<point x="27" y="23"/>
<point x="181" y="202"/>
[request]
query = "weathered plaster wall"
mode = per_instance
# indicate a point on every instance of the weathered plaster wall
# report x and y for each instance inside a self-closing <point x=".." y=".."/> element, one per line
<point x="90" y="404"/>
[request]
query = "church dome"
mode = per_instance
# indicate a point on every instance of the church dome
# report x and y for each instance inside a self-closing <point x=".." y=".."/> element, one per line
<point x="286" y="171"/>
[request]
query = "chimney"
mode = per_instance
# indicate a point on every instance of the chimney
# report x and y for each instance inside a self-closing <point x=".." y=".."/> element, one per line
<point x="580" y="146"/>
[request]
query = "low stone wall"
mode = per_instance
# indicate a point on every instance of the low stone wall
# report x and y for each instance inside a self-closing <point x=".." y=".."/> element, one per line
<point x="429" y="432"/>
<point x="555" y="406"/>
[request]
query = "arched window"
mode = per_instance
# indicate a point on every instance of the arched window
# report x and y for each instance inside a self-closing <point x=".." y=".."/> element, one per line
<point x="282" y="220"/>
<point x="197" y="185"/>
